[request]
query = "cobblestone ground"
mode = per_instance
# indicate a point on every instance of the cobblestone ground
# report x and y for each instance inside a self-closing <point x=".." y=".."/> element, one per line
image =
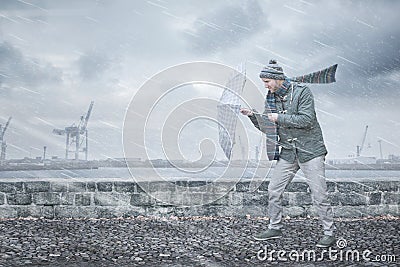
<point x="194" y="241"/>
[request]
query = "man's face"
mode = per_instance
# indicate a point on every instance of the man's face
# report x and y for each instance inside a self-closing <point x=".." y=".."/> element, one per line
<point x="271" y="84"/>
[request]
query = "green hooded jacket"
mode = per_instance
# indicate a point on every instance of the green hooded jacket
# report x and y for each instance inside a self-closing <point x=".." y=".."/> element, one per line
<point x="299" y="132"/>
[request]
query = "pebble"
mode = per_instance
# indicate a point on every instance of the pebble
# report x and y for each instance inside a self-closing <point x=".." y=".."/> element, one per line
<point x="188" y="241"/>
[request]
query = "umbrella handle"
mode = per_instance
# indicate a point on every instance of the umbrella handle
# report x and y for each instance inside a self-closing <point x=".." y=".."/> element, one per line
<point x="261" y="114"/>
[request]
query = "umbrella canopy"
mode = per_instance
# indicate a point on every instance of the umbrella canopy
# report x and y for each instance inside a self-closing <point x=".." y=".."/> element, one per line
<point x="228" y="110"/>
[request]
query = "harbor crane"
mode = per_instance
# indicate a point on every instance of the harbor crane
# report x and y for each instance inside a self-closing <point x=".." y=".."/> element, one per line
<point x="76" y="136"/>
<point x="380" y="148"/>
<point x="2" y="141"/>
<point x="360" y="148"/>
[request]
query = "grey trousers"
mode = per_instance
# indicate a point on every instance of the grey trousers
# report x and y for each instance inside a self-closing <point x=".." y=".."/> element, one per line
<point x="314" y="172"/>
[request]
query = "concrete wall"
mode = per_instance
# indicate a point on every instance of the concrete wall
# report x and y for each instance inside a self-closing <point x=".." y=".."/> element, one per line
<point x="110" y="198"/>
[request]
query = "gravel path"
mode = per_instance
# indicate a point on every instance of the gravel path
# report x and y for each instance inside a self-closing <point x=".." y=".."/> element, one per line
<point x="194" y="241"/>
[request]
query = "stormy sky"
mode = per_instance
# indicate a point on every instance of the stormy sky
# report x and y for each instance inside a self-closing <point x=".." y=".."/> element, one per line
<point x="57" y="56"/>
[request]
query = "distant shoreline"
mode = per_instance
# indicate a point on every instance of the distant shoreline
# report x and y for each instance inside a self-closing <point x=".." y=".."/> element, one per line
<point x="92" y="165"/>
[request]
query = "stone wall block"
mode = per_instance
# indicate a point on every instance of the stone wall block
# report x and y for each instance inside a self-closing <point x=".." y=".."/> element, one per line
<point x="297" y="187"/>
<point x="196" y="187"/>
<point x="221" y="187"/>
<point x="347" y="187"/>
<point x="77" y="187"/>
<point x="391" y="198"/>
<point x="263" y="186"/>
<point x="82" y="199"/>
<point x="39" y="186"/>
<point x="19" y="199"/>
<point x="46" y="198"/>
<point x="221" y="201"/>
<point x="300" y="199"/>
<point x="47" y="212"/>
<point x="352" y="199"/>
<point x="335" y="198"/>
<point x="294" y="212"/>
<point x="91" y="186"/>
<point x="383" y="186"/>
<point x="61" y="212"/>
<point x="28" y="211"/>
<point x="164" y="186"/>
<point x="8" y="212"/>
<point x="375" y="198"/>
<point x="112" y="199"/>
<point x="67" y="198"/>
<point x="286" y="199"/>
<point x="215" y="199"/>
<point x="237" y="198"/>
<point x="141" y="199"/>
<point x="58" y="187"/>
<point x="11" y="187"/>
<point x="257" y="199"/>
<point x="331" y="186"/>
<point x="104" y="186"/>
<point x="125" y="187"/>
<point x="242" y="187"/>
<point x="196" y="183"/>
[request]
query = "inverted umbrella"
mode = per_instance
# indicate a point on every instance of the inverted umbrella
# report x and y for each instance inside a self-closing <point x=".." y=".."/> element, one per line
<point x="228" y="110"/>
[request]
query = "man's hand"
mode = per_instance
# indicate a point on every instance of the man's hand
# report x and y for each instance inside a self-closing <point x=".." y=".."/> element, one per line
<point x="273" y="117"/>
<point x="246" y="112"/>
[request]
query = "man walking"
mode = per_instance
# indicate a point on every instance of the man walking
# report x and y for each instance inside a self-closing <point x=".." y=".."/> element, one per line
<point x="290" y="122"/>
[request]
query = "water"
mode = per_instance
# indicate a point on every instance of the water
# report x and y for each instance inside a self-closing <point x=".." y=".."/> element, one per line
<point x="213" y="172"/>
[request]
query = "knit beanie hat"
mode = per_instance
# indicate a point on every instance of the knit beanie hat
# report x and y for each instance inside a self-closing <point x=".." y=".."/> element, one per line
<point x="272" y="71"/>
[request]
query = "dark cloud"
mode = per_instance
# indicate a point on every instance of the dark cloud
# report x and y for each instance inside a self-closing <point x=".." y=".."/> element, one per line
<point x="359" y="36"/>
<point x="369" y="46"/>
<point x="94" y="65"/>
<point x="18" y="70"/>
<point x="225" y="27"/>
<point x="13" y="4"/>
